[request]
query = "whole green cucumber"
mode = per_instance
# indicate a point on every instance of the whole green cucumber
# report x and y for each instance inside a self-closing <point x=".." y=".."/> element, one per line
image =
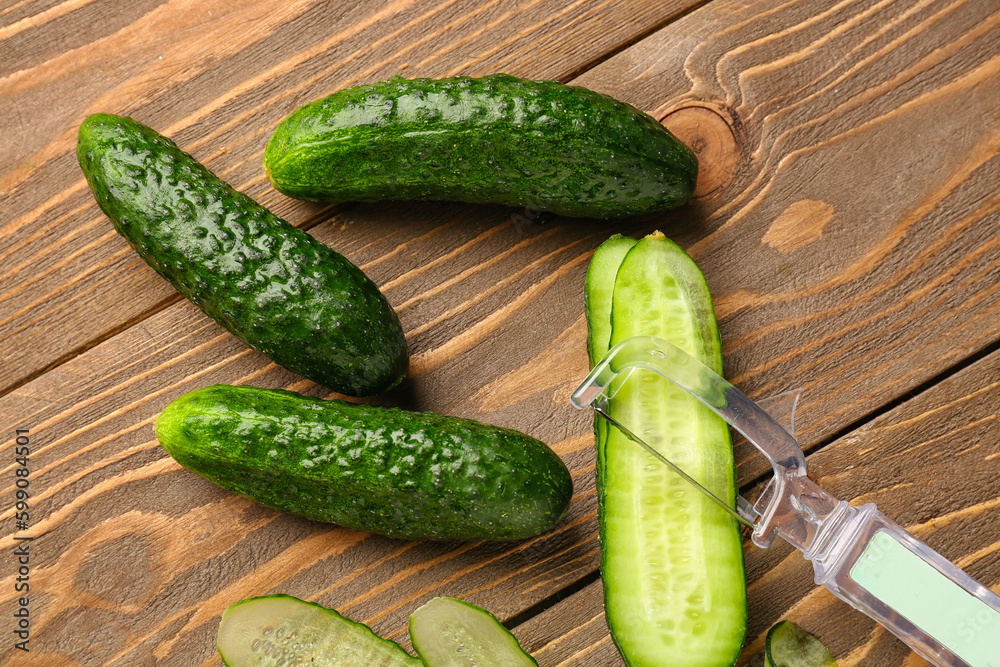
<point x="275" y="287"/>
<point x="374" y="469"/>
<point x="496" y="139"/>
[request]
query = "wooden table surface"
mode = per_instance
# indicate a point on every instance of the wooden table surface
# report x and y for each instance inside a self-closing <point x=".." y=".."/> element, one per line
<point x="846" y="221"/>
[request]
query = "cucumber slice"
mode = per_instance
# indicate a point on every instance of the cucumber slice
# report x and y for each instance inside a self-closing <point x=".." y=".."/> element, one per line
<point x="451" y="633"/>
<point x="598" y="290"/>
<point x="284" y="631"/>
<point x="671" y="561"/>
<point x="788" y="645"/>
<point x="597" y="304"/>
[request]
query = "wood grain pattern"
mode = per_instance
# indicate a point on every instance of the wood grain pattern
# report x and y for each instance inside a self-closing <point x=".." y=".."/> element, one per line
<point x="156" y="553"/>
<point x="846" y="221"/>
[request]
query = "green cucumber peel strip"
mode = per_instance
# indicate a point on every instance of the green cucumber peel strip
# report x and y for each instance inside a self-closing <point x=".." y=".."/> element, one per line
<point x="597" y="293"/>
<point x="671" y="562"/>
<point x="284" y="631"/>
<point x="788" y="645"/>
<point x="451" y="633"/>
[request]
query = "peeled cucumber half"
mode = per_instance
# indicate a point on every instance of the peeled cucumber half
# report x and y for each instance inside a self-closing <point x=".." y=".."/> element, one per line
<point x="671" y="561"/>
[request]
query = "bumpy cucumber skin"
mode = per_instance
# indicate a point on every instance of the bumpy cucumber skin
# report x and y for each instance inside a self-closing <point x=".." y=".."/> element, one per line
<point x="380" y="470"/>
<point x="275" y="287"/>
<point x="495" y="139"/>
<point x="344" y="644"/>
<point x="639" y="631"/>
<point x="597" y="295"/>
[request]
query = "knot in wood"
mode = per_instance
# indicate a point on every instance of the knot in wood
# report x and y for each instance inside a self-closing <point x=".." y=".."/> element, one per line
<point x="710" y="135"/>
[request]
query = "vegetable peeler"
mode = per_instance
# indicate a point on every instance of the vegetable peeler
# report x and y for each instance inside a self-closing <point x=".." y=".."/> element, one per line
<point x="859" y="554"/>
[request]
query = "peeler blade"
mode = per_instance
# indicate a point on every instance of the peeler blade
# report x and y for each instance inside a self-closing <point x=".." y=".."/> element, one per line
<point x="745" y="512"/>
<point x="739" y="411"/>
<point x="778" y="508"/>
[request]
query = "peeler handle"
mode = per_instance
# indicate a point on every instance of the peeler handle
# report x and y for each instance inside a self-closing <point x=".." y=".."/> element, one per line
<point x="879" y="568"/>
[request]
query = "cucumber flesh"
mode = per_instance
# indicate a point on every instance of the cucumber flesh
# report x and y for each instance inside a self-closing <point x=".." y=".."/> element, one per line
<point x="788" y="645"/>
<point x="671" y="561"/>
<point x="451" y="633"/>
<point x="284" y="631"/>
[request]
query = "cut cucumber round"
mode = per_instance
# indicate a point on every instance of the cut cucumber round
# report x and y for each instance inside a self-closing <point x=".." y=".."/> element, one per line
<point x="284" y="631"/>
<point x="451" y="633"/>
<point x="788" y="645"/>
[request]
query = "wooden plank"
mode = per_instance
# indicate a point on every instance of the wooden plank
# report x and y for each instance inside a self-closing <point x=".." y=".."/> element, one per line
<point x="930" y="464"/>
<point x="217" y="79"/>
<point x="104" y="487"/>
<point x="492" y="305"/>
<point x="850" y="313"/>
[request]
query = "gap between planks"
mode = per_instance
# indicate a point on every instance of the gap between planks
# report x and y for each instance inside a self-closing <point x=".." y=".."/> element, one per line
<point x="335" y="209"/>
<point x="305" y="225"/>
<point x="923" y="387"/>
<point x="635" y="39"/>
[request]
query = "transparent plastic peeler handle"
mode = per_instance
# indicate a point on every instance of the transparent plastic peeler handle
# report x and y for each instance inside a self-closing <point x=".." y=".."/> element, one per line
<point x="877" y="567"/>
<point x="858" y="553"/>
